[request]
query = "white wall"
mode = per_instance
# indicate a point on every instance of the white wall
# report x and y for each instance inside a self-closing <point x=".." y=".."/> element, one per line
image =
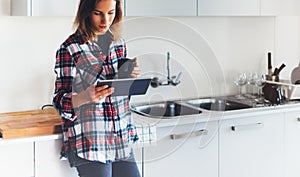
<point x="212" y="50"/>
<point x="28" y="46"/>
<point x="29" y="43"/>
<point x="287" y="31"/>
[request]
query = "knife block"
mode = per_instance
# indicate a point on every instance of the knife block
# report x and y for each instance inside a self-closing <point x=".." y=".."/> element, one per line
<point x="272" y="92"/>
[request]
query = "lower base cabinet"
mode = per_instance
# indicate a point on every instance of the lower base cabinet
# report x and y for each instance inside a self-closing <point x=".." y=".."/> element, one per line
<point x="138" y="157"/>
<point x="48" y="162"/>
<point x="292" y="144"/>
<point x="185" y="150"/>
<point x="252" y="146"/>
<point x="16" y="159"/>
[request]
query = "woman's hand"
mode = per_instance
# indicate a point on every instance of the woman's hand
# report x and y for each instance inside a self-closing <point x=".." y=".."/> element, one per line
<point x="91" y="94"/>
<point x="96" y="94"/>
<point x="135" y="72"/>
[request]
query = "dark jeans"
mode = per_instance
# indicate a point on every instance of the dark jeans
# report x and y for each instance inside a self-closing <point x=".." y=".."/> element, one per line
<point x="121" y="168"/>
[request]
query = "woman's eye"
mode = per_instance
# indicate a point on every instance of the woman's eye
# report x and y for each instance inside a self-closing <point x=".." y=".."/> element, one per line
<point x="111" y="13"/>
<point x="100" y="13"/>
<point x="97" y="13"/>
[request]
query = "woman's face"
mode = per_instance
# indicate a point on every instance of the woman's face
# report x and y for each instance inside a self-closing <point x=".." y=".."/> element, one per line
<point x="103" y="16"/>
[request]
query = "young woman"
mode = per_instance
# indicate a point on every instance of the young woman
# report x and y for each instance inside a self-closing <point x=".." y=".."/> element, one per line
<point x="97" y="127"/>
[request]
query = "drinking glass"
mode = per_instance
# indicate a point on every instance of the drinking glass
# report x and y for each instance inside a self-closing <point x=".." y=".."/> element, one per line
<point x="260" y="82"/>
<point x="240" y="81"/>
<point x="251" y="80"/>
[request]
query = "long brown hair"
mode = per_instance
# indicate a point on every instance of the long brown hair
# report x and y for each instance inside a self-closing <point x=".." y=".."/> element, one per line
<point x="83" y="23"/>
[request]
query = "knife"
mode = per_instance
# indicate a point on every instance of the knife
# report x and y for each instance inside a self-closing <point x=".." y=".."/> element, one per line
<point x="276" y="72"/>
<point x="269" y="63"/>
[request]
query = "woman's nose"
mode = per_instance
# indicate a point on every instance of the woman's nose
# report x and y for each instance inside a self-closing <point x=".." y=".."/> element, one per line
<point x="104" y="19"/>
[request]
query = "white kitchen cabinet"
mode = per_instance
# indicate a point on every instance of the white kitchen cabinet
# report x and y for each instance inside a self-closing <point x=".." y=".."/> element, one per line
<point x="228" y="7"/>
<point x="252" y="146"/>
<point x="44" y="8"/>
<point x="5" y="7"/>
<point x="270" y="7"/>
<point x="48" y="162"/>
<point x="292" y="144"/>
<point x="192" y="152"/>
<point x="160" y="8"/>
<point x="16" y="159"/>
<point x="280" y="7"/>
<point x="138" y="156"/>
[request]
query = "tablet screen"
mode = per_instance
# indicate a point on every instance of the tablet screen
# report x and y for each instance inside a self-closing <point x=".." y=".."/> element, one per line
<point x="128" y="87"/>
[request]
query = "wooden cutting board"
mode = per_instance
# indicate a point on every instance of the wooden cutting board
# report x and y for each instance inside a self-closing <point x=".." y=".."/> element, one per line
<point x="29" y="123"/>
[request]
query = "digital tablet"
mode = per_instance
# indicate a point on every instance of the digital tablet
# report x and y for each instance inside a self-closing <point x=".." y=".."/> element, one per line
<point x="128" y="87"/>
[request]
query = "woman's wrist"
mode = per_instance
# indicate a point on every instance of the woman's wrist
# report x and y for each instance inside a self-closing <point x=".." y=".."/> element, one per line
<point x="80" y="99"/>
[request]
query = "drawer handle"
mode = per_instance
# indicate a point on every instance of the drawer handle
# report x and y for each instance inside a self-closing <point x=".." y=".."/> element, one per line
<point x="247" y="126"/>
<point x="188" y="135"/>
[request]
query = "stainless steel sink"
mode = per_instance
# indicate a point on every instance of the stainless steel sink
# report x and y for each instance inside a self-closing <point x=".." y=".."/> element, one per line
<point x="165" y="109"/>
<point x="170" y="109"/>
<point x="217" y="104"/>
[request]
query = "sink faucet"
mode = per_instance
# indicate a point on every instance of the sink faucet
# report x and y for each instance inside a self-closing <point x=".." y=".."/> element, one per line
<point x="174" y="80"/>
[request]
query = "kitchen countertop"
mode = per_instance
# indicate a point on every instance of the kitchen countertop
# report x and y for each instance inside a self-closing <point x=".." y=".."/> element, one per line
<point x="180" y="120"/>
<point x="29" y="123"/>
<point x="206" y="116"/>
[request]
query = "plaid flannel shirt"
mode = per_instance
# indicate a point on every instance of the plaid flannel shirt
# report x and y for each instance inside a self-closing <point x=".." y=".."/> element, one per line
<point x="95" y="131"/>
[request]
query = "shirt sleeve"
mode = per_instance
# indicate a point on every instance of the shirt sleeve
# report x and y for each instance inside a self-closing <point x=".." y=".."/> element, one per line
<point x="64" y="70"/>
<point x="124" y="48"/>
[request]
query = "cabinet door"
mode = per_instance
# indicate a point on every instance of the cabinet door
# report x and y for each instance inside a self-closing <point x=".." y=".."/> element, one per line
<point x="270" y="7"/>
<point x="16" y="159"/>
<point x="54" y="7"/>
<point x="292" y="144"/>
<point x="48" y="162"/>
<point x="20" y="7"/>
<point x="5" y="8"/>
<point x="280" y="7"/>
<point x="161" y="8"/>
<point x="138" y="156"/>
<point x="228" y="7"/>
<point x="252" y="146"/>
<point x="189" y="150"/>
<point x="44" y="7"/>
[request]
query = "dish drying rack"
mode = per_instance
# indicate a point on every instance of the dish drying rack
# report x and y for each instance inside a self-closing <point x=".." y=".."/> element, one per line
<point x="290" y="91"/>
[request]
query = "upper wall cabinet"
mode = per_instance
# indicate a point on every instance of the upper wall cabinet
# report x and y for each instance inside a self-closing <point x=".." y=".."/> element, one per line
<point x="228" y="7"/>
<point x="161" y="8"/>
<point x="44" y="7"/>
<point x="280" y="7"/>
<point x="165" y="7"/>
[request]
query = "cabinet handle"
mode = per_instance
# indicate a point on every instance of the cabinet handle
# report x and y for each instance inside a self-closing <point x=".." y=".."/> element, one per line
<point x="188" y="135"/>
<point x="246" y="126"/>
<point x="298" y="119"/>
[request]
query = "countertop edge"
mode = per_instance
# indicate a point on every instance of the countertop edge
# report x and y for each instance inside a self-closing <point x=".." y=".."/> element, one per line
<point x="193" y="119"/>
<point x="31" y="139"/>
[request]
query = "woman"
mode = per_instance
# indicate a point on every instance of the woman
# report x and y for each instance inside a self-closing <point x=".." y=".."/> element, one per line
<point x="97" y="127"/>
